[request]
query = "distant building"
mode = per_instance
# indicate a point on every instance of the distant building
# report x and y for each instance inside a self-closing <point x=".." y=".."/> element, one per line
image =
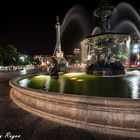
<point x="75" y="57"/>
<point x="44" y="59"/>
<point x="22" y="58"/>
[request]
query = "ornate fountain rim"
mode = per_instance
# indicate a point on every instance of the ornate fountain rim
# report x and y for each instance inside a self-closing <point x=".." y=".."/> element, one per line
<point x="106" y="10"/>
<point x="91" y="40"/>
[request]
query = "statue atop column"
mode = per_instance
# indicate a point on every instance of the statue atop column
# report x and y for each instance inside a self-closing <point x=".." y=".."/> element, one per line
<point x="58" y="54"/>
<point x="58" y="60"/>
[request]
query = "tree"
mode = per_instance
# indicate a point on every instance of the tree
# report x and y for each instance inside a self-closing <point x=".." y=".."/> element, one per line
<point x="8" y="56"/>
<point x="1" y="56"/>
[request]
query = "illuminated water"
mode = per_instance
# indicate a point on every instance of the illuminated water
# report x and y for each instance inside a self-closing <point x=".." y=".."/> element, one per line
<point x="82" y="84"/>
<point x="125" y="12"/>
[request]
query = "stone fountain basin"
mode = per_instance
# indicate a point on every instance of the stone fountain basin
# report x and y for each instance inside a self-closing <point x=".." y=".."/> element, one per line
<point x="106" y="115"/>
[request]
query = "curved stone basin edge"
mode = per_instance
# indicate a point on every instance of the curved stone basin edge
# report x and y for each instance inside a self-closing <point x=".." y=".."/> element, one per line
<point x="97" y="114"/>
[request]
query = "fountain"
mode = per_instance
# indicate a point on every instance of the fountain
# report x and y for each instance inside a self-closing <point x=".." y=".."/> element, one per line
<point x="105" y="46"/>
<point x="76" y="19"/>
<point x="108" y="104"/>
<point x="108" y="47"/>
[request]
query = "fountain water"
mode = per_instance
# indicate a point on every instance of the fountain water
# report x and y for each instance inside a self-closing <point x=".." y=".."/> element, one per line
<point x="125" y="12"/>
<point x="76" y="26"/>
<point x="127" y="27"/>
<point x="79" y="15"/>
<point x="96" y="31"/>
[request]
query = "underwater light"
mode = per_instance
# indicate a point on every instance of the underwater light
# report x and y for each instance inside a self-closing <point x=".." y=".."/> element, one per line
<point x="73" y="74"/>
<point x="41" y="76"/>
<point x="73" y="78"/>
<point x="80" y="80"/>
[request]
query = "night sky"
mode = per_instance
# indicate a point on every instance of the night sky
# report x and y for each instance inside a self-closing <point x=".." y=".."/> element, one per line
<point x="30" y="26"/>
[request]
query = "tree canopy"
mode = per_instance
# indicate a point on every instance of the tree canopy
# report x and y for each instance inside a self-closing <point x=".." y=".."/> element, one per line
<point x="8" y="55"/>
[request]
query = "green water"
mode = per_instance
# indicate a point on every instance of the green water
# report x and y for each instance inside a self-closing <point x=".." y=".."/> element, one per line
<point x="82" y="84"/>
